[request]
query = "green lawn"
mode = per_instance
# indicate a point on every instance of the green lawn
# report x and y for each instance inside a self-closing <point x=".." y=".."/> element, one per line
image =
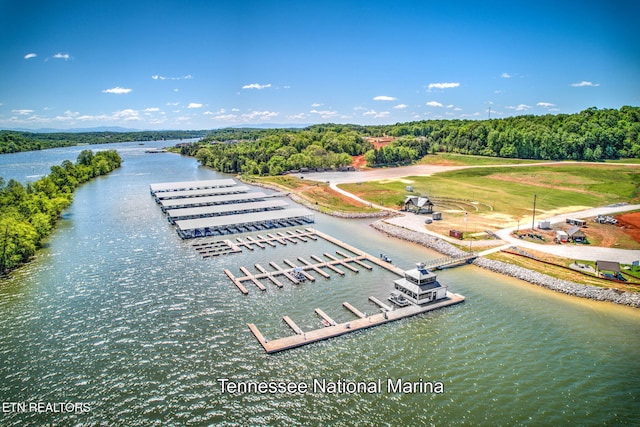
<point x="510" y="190"/>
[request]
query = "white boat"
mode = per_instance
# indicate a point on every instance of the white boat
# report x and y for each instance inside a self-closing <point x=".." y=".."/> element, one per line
<point x="385" y="258"/>
<point x="398" y="299"/>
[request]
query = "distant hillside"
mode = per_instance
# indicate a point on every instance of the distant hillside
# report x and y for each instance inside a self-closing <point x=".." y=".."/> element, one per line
<point x="591" y="135"/>
<point x="15" y="141"/>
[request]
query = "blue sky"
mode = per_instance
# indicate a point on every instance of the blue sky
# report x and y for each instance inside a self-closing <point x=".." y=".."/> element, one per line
<point x="193" y="64"/>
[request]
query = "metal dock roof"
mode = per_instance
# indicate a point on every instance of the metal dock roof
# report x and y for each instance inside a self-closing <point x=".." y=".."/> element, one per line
<point x="212" y="200"/>
<point x="191" y="185"/>
<point x="218" y="222"/>
<point x="233" y="208"/>
<point x="203" y="192"/>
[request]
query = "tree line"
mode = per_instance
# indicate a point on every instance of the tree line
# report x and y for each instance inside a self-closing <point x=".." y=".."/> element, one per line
<point x="591" y="135"/>
<point x="28" y="212"/>
<point x="275" y="151"/>
<point x="14" y="141"/>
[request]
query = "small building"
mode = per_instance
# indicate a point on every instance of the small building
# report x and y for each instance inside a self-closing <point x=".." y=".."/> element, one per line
<point x="418" y="204"/>
<point x="609" y="270"/>
<point x="456" y="233"/>
<point x="577" y="222"/>
<point x="562" y="236"/>
<point x="544" y="225"/>
<point x="576" y="234"/>
<point x="420" y="286"/>
<point x="436" y="216"/>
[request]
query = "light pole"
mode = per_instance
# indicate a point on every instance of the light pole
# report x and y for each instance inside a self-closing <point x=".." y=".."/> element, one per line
<point x="533" y="221"/>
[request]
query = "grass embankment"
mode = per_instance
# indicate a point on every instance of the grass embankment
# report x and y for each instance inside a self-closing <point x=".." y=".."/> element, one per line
<point x="315" y="193"/>
<point x="498" y="197"/>
<point x="559" y="268"/>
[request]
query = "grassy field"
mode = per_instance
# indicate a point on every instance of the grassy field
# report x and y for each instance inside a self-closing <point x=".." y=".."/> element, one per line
<point x="507" y="193"/>
<point x="315" y="192"/>
<point x="564" y="273"/>
<point x="452" y="159"/>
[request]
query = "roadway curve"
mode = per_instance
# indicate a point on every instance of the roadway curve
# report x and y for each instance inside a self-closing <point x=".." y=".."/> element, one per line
<point x="581" y="252"/>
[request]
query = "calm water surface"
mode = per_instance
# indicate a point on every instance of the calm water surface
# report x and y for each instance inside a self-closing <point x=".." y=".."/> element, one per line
<point x="121" y="314"/>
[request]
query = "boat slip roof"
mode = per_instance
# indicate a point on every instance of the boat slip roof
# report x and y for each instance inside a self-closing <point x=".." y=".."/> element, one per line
<point x="201" y="192"/>
<point x="212" y="200"/>
<point x="226" y="209"/>
<point x="191" y="185"/>
<point x="241" y="219"/>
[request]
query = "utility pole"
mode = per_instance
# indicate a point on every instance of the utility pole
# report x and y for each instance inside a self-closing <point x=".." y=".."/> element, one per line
<point x="533" y="221"/>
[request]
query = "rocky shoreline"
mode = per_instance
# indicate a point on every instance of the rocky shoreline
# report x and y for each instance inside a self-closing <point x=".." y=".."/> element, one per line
<point x="533" y="277"/>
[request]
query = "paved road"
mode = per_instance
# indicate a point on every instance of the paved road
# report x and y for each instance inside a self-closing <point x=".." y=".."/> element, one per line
<point x="582" y="252"/>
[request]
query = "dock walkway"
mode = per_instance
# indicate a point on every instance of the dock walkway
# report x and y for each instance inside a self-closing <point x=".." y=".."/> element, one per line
<point x="339" y="329"/>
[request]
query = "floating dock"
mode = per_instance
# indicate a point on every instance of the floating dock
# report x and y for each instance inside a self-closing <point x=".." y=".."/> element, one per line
<point x="221" y="206"/>
<point x="332" y="329"/>
<point x="335" y="330"/>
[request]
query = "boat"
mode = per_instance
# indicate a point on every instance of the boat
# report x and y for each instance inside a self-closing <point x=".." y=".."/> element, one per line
<point x="325" y="322"/>
<point x="385" y="258"/>
<point x="398" y="299"/>
<point x="298" y="274"/>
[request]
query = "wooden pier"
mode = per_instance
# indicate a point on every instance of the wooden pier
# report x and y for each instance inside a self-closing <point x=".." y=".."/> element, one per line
<point x="214" y="248"/>
<point x="335" y="330"/>
<point x="294" y="272"/>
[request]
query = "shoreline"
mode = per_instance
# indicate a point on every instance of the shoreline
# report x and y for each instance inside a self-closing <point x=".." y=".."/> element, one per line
<point x="307" y="204"/>
<point x="530" y="276"/>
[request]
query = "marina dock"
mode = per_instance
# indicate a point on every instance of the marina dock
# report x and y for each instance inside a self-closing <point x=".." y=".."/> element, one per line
<point x="335" y="330"/>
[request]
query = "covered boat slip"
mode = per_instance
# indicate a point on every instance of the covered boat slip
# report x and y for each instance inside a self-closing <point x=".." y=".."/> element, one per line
<point x="203" y="192"/>
<point x="229" y="224"/>
<point x="191" y="185"/>
<point x="193" y="202"/>
<point x="227" y="209"/>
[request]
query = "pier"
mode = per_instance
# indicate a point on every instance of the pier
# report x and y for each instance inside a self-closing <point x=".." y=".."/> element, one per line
<point x="331" y="329"/>
<point x="296" y="274"/>
<point x="336" y="330"/>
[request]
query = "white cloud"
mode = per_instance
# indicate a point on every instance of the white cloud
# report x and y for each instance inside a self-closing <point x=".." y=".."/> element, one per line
<point x="30" y="55"/>
<point x="584" y="83"/>
<point x="22" y="112"/>
<point x="64" y="56"/>
<point x="385" y="98"/>
<point x="256" y="86"/>
<point x="519" y="107"/>
<point x="434" y="104"/>
<point x="158" y="77"/>
<point x="151" y="109"/>
<point x="375" y="114"/>
<point x="400" y="106"/>
<point x="545" y="104"/>
<point x="194" y="105"/>
<point x="300" y="116"/>
<point x="505" y="75"/>
<point x="127" y="115"/>
<point x="443" y="85"/>
<point x="117" y="90"/>
<point x="261" y="115"/>
<point x="315" y="105"/>
<point x="226" y="117"/>
<point x="325" y="114"/>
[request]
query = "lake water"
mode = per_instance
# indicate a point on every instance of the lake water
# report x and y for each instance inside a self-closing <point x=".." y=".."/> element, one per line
<point x="121" y="315"/>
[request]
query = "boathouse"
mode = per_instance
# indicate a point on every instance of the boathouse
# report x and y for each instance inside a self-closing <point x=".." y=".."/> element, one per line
<point x="221" y="206"/>
<point x="420" y="286"/>
<point x="241" y="223"/>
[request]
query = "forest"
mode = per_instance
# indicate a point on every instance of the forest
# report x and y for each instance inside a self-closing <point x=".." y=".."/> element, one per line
<point x="591" y="135"/>
<point x="14" y="141"/>
<point x="29" y="212"/>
